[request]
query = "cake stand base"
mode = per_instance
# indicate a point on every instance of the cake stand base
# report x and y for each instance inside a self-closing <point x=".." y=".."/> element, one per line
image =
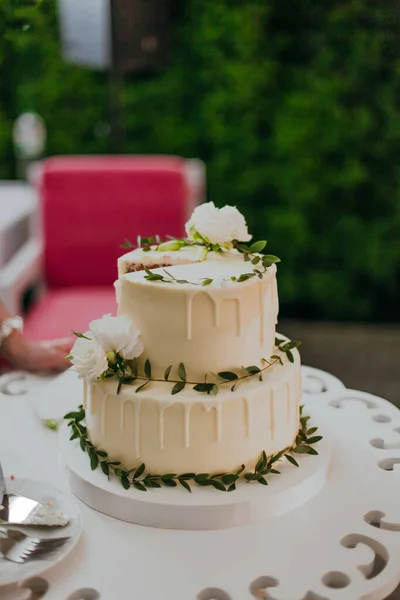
<point x="204" y="508"/>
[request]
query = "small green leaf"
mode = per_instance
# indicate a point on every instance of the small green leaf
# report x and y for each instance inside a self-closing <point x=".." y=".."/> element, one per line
<point x="203" y="387"/>
<point x="127" y="245"/>
<point x="105" y="468"/>
<point x="254" y="261"/>
<point x="169" y="482"/>
<point x="233" y="387"/>
<point x="301" y="449"/>
<point x="232" y="487"/>
<point x="94" y="461"/>
<point x="246" y="257"/>
<point x="201" y="477"/>
<point x="167" y="372"/>
<point x="227" y="375"/>
<point x="311" y="430"/>
<point x="82" y="442"/>
<point x="51" y="424"/>
<point x="311" y="450"/>
<point x="230" y="478"/>
<point x="279" y="341"/>
<point x="292" y="460"/>
<point x="314" y="440"/>
<point x="290" y="345"/>
<point x="74" y="436"/>
<point x="252" y="370"/>
<point x="142" y="386"/>
<point x="178" y="387"/>
<point x="218" y="485"/>
<point x="80" y="335"/>
<point x="262" y="480"/>
<point x="244" y="277"/>
<point x="184" y="484"/>
<point x="258" y="246"/>
<point x="139" y="471"/>
<point x="187" y="476"/>
<point x="290" y="356"/>
<point x="139" y="486"/>
<point x="125" y="482"/>
<point x="271" y="259"/>
<point x="151" y="483"/>
<point x="278" y="358"/>
<point x="119" y="472"/>
<point x="214" y="390"/>
<point x="168" y="476"/>
<point x="101" y="453"/>
<point x="69" y="357"/>
<point x="147" y="368"/>
<point x="206" y="281"/>
<point x="182" y="371"/>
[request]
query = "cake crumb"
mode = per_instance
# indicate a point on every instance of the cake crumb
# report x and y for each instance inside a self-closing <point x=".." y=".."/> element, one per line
<point x="49" y="503"/>
<point x="12" y="477"/>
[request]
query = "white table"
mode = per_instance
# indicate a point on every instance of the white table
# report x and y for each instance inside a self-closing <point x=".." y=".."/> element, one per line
<point x="326" y="549"/>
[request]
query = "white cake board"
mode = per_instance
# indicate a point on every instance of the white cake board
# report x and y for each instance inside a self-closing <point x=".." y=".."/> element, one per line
<point x="204" y="508"/>
<point x="343" y="544"/>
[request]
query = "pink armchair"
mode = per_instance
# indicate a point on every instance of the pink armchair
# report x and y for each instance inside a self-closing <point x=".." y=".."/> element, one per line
<point x="89" y="205"/>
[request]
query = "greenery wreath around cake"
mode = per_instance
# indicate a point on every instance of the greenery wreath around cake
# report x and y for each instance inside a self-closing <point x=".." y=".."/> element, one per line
<point x="138" y="478"/>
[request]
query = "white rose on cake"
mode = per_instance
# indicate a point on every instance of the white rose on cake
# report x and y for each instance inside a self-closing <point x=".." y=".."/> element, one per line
<point x="217" y="226"/>
<point x="117" y="334"/>
<point x="88" y="357"/>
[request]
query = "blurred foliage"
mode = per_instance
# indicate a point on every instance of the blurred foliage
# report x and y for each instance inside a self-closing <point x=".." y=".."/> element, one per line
<point x="294" y="107"/>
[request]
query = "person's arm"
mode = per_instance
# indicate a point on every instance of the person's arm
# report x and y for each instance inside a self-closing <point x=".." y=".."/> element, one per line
<point x="24" y="354"/>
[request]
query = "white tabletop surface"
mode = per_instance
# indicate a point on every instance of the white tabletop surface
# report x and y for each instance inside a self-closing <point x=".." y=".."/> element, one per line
<point x="120" y="561"/>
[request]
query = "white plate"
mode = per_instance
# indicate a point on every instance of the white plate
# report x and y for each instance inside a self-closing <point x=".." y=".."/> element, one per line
<point x="12" y="573"/>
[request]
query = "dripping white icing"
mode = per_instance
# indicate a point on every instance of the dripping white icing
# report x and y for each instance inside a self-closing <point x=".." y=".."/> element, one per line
<point x="274" y="298"/>
<point x="218" y="412"/>
<point x="271" y="414"/>
<point x="288" y="402"/>
<point x="238" y="317"/>
<point x="137" y="404"/>
<point x="161" y="427"/>
<point x="261" y="302"/>
<point x="90" y="399"/>
<point x="217" y="311"/>
<point x="219" y="421"/>
<point x="104" y="415"/>
<point x="248" y="417"/>
<point x="187" y="408"/>
<point x="189" y="299"/>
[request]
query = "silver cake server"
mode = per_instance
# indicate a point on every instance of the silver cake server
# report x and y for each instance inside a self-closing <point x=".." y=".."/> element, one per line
<point x="19" y="510"/>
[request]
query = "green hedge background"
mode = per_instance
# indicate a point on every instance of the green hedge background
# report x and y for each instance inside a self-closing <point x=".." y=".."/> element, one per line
<point x="293" y="106"/>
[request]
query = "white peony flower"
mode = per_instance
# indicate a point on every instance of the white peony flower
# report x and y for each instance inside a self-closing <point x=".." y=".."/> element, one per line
<point x="217" y="226"/>
<point x="117" y="334"/>
<point x="236" y="223"/>
<point x="89" y="358"/>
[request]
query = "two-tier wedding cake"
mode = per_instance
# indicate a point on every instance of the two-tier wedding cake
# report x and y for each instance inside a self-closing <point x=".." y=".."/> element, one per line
<point x="190" y="381"/>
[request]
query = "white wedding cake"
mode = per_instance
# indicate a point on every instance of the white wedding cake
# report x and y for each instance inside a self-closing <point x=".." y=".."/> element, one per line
<point x="190" y="378"/>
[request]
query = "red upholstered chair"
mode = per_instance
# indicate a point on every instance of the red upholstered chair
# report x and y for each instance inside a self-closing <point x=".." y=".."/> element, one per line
<point x="89" y="206"/>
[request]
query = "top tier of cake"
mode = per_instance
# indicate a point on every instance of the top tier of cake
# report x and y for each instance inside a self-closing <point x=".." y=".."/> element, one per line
<point x="216" y="327"/>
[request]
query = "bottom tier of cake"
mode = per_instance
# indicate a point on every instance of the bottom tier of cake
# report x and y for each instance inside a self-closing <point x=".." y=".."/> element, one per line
<point x="192" y="431"/>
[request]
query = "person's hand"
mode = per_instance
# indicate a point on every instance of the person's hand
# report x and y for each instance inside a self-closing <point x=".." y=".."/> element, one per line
<point x="37" y="356"/>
